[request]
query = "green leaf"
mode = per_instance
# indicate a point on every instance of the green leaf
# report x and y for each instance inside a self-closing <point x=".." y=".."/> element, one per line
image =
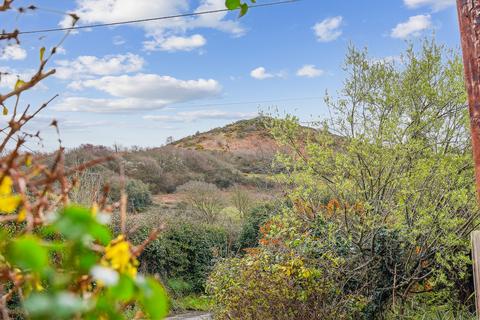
<point x="87" y="259"/>
<point x="78" y="223"/>
<point x="232" y="4"/>
<point x="243" y="9"/>
<point x="62" y="305"/>
<point x="106" y="309"/>
<point x="154" y="299"/>
<point x="42" y="53"/>
<point x="124" y="289"/>
<point x="20" y="83"/>
<point x="27" y="253"/>
<point x="100" y="233"/>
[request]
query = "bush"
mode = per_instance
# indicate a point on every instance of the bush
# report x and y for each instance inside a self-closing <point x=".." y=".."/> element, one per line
<point x="179" y="287"/>
<point x="250" y="234"/>
<point x="242" y="200"/>
<point x="265" y="285"/>
<point x="138" y="194"/>
<point x="185" y="252"/>
<point x="204" y="198"/>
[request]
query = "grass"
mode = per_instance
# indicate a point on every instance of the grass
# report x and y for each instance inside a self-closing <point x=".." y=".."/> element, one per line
<point x="194" y="303"/>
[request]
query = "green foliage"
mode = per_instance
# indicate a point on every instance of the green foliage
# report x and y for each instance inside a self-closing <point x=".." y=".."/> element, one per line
<point x="420" y="310"/>
<point x="282" y="284"/>
<point x="185" y="252"/>
<point x="179" y="287"/>
<point x="386" y="204"/>
<point x="195" y="302"/>
<point x="250" y="234"/>
<point x="56" y="277"/>
<point x="238" y="4"/>
<point x="26" y="253"/>
<point x="138" y="194"/>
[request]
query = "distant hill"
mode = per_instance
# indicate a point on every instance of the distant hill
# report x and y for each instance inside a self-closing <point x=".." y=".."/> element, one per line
<point x="239" y="153"/>
<point x="245" y="137"/>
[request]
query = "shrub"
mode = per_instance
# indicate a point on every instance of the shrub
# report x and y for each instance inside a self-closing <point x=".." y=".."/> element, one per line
<point x="179" y="287"/>
<point x="184" y="252"/>
<point x="138" y="194"/>
<point x="204" y="198"/>
<point x="265" y="285"/>
<point x="88" y="187"/>
<point x="241" y="200"/>
<point x="250" y="234"/>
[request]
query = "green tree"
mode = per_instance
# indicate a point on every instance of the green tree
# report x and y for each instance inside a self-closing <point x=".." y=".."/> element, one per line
<point x="385" y="186"/>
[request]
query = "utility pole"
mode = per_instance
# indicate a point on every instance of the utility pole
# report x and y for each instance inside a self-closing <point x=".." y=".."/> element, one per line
<point x="469" y="20"/>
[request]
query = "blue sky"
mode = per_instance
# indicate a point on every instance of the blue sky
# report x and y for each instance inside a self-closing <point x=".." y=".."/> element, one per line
<point x="139" y="84"/>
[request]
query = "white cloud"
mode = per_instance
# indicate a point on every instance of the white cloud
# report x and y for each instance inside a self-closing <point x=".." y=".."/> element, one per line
<point x="435" y="4"/>
<point x="13" y="52"/>
<point x="177" y="43"/>
<point x="412" y="27"/>
<point x="215" y="20"/>
<point x="158" y="32"/>
<point x="154" y="86"/>
<point x="328" y="29"/>
<point x="139" y="92"/>
<point x="108" y="105"/>
<point x="42" y="122"/>
<point x="61" y="50"/>
<point x="9" y="76"/>
<point x="309" y="71"/>
<point x="191" y="116"/>
<point x="119" y="40"/>
<point x="89" y="66"/>
<point x="261" y="73"/>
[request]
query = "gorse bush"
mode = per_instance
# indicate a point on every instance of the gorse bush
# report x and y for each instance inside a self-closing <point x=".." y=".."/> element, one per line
<point x="386" y="205"/>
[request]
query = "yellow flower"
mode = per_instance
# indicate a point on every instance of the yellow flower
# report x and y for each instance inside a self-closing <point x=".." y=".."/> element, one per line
<point x="118" y="256"/>
<point x="37" y="284"/>
<point x="8" y="202"/>
<point x="94" y="209"/>
<point x="28" y="160"/>
<point x="22" y="215"/>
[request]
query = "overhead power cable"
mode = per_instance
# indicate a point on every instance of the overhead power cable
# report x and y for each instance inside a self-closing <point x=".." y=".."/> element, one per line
<point x="191" y="14"/>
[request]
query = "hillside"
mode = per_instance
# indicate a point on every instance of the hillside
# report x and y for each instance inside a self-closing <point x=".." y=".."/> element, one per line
<point x="244" y="137"/>
<point x="237" y="154"/>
